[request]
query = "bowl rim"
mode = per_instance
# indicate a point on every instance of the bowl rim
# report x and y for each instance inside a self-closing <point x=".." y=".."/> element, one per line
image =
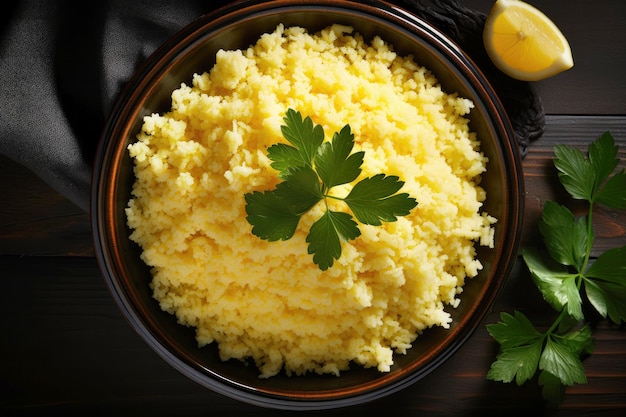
<point x="102" y="201"/>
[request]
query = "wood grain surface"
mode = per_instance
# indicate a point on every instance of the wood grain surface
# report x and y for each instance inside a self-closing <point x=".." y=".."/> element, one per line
<point x="66" y="349"/>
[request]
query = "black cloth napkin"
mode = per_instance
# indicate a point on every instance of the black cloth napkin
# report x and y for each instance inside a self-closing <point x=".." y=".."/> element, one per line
<point x="63" y="63"/>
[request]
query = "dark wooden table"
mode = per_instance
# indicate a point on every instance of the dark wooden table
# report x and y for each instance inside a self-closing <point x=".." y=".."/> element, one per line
<point x="65" y="349"/>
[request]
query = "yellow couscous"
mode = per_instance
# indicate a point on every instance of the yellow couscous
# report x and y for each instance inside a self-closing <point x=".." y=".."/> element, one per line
<point x="267" y="302"/>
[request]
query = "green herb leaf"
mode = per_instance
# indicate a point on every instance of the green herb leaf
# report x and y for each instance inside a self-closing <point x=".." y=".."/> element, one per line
<point x="605" y="284"/>
<point x="578" y="341"/>
<point x="513" y="330"/>
<point x="372" y="200"/>
<point x="597" y="296"/>
<point x="610" y="266"/>
<point x="583" y="178"/>
<point x="516" y="363"/>
<point x="326" y="234"/>
<point x="275" y="214"/>
<point x="303" y="135"/>
<point x="613" y="193"/>
<point x="333" y="161"/>
<point x="285" y="157"/>
<point x="603" y="158"/>
<point x="565" y="238"/>
<point x="301" y="189"/>
<point x="520" y="346"/>
<point x="270" y="219"/>
<point x="575" y="172"/>
<point x="556" y="284"/>
<point x="608" y="298"/>
<point x="559" y="360"/>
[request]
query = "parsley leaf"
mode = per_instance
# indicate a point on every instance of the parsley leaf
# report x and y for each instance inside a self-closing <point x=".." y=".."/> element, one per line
<point x="325" y="237"/>
<point x="372" y="200"/>
<point x="556" y="283"/>
<point x="520" y="348"/>
<point x="610" y="266"/>
<point x="613" y="194"/>
<point x="513" y="330"/>
<point x="516" y="363"/>
<point x="303" y="134"/>
<point x="563" y="362"/>
<point x="305" y="139"/>
<point x="603" y="158"/>
<point x="561" y="277"/>
<point x="270" y="219"/>
<point x="284" y="157"/>
<point x="608" y="298"/>
<point x="575" y="172"/>
<point x="309" y="168"/>
<point x="564" y="236"/>
<point x="579" y="341"/>
<point x="583" y="177"/>
<point x="333" y="161"/>
<point x="301" y="189"/>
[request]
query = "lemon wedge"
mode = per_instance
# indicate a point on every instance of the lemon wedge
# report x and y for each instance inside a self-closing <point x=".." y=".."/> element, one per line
<point x="524" y="43"/>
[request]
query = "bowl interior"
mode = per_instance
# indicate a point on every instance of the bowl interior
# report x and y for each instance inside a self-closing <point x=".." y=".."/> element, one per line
<point x="192" y="51"/>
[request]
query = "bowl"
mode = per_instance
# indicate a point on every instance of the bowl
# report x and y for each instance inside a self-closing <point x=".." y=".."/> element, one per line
<point x="192" y="50"/>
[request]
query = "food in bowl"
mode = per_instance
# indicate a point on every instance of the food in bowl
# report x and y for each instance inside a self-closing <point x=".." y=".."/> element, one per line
<point x="266" y="301"/>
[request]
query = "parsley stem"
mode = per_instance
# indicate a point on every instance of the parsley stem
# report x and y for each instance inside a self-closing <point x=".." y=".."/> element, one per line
<point x="556" y="322"/>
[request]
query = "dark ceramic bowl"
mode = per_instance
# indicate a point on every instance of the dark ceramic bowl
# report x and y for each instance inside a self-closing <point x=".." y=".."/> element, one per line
<point x="193" y="50"/>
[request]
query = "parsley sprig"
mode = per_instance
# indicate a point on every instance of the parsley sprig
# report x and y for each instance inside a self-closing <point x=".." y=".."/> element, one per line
<point x="309" y="168"/>
<point x="566" y="277"/>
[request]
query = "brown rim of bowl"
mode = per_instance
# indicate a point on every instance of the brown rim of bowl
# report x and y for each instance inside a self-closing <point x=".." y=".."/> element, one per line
<point x="105" y="199"/>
